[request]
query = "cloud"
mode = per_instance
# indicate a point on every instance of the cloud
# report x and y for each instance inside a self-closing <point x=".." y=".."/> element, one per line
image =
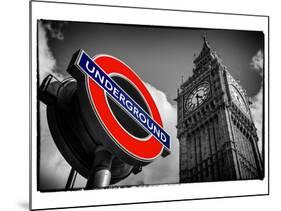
<point x="162" y="170"/>
<point x="53" y="168"/>
<point x="55" y="29"/>
<point x="257" y="100"/>
<point x="257" y="113"/>
<point x="47" y="62"/>
<point x="257" y="62"/>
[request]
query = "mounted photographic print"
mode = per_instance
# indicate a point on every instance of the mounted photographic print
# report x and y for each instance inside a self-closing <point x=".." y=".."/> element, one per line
<point x="148" y="106"/>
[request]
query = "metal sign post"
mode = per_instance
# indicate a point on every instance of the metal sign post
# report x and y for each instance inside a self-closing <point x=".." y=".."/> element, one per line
<point x="100" y="174"/>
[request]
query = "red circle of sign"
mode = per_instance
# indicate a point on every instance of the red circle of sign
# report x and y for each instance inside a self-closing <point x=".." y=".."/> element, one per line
<point x="136" y="147"/>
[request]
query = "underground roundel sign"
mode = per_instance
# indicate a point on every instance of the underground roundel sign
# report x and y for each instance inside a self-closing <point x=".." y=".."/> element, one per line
<point x="117" y="109"/>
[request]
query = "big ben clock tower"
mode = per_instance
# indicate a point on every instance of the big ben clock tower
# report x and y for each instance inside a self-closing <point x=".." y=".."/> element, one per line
<point x="217" y="135"/>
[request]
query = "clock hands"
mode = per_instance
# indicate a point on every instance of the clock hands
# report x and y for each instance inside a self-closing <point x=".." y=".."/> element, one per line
<point x="197" y="98"/>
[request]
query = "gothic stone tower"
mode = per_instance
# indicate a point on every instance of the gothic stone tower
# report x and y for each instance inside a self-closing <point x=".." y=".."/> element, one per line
<point x="217" y="135"/>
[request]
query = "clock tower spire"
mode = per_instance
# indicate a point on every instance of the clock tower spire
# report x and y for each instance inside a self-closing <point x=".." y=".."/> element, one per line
<point x="218" y="139"/>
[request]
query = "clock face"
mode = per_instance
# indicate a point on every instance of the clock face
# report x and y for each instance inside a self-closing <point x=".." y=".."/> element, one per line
<point x="197" y="96"/>
<point x="238" y="99"/>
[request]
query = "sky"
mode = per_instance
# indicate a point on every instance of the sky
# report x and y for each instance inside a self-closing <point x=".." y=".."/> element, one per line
<point x="161" y="56"/>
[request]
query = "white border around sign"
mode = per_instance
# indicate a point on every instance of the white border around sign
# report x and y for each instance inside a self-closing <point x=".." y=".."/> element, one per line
<point x="123" y="15"/>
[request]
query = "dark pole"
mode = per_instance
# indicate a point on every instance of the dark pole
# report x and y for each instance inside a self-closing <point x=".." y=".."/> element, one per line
<point x="70" y="179"/>
<point x="100" y="174"/>
<point x="74" y="179"/>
